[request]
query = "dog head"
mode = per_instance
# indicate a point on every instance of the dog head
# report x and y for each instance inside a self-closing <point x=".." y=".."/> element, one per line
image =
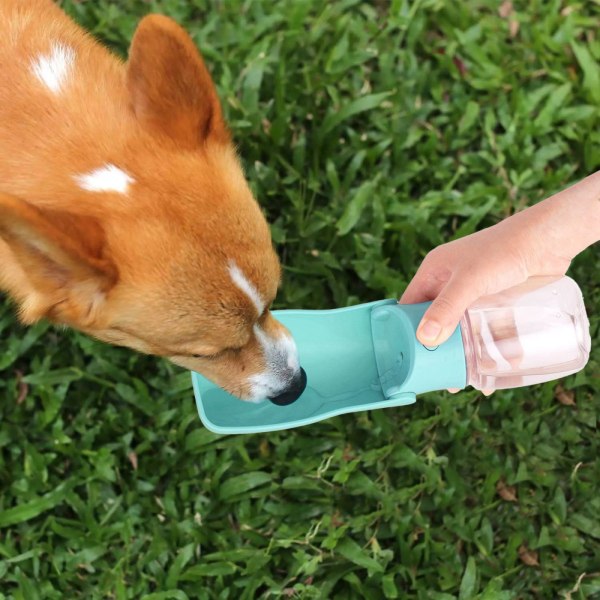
<point x="160" y="247"/>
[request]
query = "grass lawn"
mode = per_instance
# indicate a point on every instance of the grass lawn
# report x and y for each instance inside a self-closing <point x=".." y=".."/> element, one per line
<point x="371" y="132"/>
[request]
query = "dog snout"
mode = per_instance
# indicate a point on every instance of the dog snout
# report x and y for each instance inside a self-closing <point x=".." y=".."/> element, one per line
<point x="293" y="392"/>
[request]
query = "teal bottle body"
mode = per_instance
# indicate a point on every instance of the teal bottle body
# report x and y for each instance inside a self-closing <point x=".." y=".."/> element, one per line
<point x="356" y="358"/>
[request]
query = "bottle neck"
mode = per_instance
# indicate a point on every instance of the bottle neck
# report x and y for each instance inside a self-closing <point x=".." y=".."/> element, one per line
<point x="469" y="347"/>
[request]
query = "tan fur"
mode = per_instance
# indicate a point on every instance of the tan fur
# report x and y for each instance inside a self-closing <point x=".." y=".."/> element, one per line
<point x="147" y="269"/>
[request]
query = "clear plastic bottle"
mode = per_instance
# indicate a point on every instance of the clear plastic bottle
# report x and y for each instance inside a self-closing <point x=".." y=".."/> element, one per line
<point x="531" y="333"/>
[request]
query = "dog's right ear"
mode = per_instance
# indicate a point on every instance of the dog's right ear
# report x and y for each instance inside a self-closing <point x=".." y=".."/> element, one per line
<point x="61" y="257"/>
<point x="170" y="88"/>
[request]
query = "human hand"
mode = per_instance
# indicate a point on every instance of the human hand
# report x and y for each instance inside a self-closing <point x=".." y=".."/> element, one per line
<point x="540" y="241"/>
<point x="456" y="274"/>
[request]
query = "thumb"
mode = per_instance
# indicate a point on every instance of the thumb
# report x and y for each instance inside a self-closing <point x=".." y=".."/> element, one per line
<point x="442" y="317"/>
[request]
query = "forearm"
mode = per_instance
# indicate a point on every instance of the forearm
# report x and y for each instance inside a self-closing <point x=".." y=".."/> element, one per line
<point x="572" y="217"/>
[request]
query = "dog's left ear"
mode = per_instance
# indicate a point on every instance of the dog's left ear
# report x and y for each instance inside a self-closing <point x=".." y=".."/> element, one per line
<point x="64" y="273"/>
<point x="170" y="88"/>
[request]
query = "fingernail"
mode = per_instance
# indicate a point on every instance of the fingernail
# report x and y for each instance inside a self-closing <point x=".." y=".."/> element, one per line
<point x="454" y="390"/>
<point x="429" y="331"/>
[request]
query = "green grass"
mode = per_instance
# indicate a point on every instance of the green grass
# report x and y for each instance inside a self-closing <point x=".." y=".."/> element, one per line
<point x="371" y="132"/>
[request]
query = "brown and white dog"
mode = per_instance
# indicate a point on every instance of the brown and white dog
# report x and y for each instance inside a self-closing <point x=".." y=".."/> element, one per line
<point x="124" y="212"/>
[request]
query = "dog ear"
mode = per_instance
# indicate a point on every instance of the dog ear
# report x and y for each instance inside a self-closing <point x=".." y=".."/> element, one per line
<point x="61" y="259"/>
<point x="170" y="88"/>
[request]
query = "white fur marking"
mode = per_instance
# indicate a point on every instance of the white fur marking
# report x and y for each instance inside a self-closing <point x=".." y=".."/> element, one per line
<point x="246" y="286"/>
<point x="105" y="179"/>
<point x="52" y="69"/>
<point x="281" y="356"/>
<point x="261" y="387"/>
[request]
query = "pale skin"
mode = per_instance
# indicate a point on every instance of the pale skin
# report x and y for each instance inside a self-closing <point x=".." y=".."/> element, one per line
<point x="539" y="241"/>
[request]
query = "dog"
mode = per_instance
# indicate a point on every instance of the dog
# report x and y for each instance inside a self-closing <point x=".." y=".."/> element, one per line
<point x="124" y="212"/>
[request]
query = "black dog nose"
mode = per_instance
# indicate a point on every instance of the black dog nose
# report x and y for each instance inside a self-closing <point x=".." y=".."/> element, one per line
<point x="293" y="392"/>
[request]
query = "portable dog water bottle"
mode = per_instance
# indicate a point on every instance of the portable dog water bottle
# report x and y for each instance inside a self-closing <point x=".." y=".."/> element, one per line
<point x="367" y="356"/>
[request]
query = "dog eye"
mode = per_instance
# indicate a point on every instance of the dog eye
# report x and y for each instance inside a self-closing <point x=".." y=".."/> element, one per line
<point x="209" y="356"/>
<point x="215" y="354"/>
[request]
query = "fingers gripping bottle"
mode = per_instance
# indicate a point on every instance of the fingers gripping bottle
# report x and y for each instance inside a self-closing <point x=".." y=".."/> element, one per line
<point x="531" y="333"/>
